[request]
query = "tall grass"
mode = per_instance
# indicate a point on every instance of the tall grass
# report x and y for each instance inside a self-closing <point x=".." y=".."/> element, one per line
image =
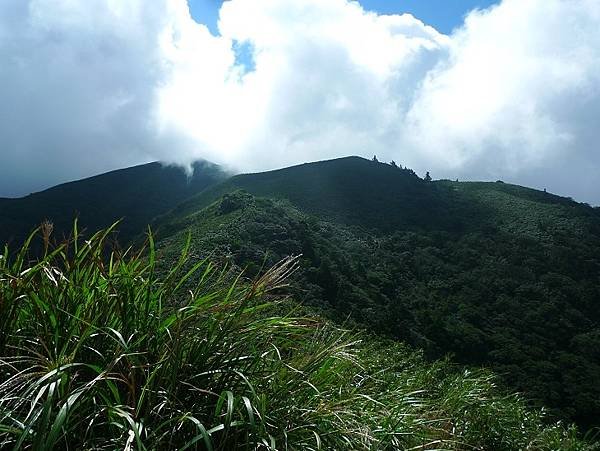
<point x="107" y="349"/>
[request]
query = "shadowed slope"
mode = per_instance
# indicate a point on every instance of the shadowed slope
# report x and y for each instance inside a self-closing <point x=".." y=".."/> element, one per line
<point x="358" y="192"/>
<point x="136" y="194"/>
<point x="350" y="190"/>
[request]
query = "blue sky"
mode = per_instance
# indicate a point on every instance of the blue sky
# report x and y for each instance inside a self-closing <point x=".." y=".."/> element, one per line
<point x="444" y="15"/>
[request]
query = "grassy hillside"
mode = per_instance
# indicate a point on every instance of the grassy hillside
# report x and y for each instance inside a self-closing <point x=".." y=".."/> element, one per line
<point x="107" y="350"/>
<point x="136" y="194"/>
<point x="494" y="274"/>
<point x="351" y="191"/>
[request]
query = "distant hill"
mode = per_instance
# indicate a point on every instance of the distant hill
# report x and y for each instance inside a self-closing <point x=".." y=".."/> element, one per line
<point x="135" y="194"/>
<point x="349" y="190"/>
<point x="492" y="273"/>
<point x="358" y="192"/>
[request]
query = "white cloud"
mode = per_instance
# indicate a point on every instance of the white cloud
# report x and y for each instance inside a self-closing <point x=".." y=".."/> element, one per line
<point x="329" y="80"/>
<point x="520" y="91"/>
<point x="76" y="83"/>
<point x="513" y="94"/>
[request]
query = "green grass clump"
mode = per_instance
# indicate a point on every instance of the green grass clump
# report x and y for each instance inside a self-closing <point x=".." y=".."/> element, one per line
<point x="105" y="349"/>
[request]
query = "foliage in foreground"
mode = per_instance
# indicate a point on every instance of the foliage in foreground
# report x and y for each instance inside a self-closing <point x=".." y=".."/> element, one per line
<point x="101" y="350"/>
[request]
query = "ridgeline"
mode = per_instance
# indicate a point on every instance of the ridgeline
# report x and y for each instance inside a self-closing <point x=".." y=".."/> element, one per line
<point x="482" y="274"/>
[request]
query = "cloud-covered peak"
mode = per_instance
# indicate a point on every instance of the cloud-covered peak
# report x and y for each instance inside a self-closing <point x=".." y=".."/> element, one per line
<point x="512" y="94"/>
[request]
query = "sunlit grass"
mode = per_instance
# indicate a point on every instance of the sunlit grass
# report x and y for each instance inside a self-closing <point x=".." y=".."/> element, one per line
<point x="106" y="349"/>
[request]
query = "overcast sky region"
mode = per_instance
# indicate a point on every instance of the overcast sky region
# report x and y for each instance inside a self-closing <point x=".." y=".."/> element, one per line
<point x="510" y="91"/>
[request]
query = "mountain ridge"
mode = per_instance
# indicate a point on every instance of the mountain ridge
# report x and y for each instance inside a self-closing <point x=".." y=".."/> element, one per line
<point x="494" y="274"/>
<point x="136" y="194"/>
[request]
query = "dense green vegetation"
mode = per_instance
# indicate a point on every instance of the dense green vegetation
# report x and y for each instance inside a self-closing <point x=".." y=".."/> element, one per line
<point x="109" y="349"/>
<point x="136" y="194"/>
<point x="491" y="273"/>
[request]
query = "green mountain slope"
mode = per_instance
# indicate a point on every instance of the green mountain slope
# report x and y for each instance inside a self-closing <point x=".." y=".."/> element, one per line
<point x="100" y="350"/>
<point x="352" y="191"/>
<point x="492" y="273"/>
<point x="136" y="194"/>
